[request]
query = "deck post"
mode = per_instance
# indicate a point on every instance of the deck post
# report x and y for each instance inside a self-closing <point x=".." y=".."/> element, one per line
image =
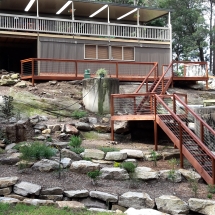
<point x="117" y="70"/>
<point x="213" y="171"/>
<point x="32" y="70"/>
<point x="76" y="69"/>
<point x="155" y="126"/>
<point x="181" y="154"/>
<point x="112" y="121"/>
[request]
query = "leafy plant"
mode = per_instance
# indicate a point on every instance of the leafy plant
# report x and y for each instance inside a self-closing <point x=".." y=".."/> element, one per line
<point x="102" y="72"/>
<point x="49" y="139"/>
<point x="77" y="150"/>
<point x="75" y="141"/>
<point x="209" y="196"/>
<point x="94" y="175"/>
<point x="79" y="114"/>
<point x="211" y="188"/>
<point x="116" y="164"/>
<point x="7" y="107"/>
<point x="194" y="186"/>
<point x="108" y="149"/>
<point x="1" y="151"/>
<point x="36" y="151"/>
<point x="172" y="172"/>
<point x="128" y="166"/>
<point x="87" y="159"/>
<point x="154" y="157"/>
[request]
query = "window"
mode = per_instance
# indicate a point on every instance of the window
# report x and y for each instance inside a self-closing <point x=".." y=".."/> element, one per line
<point x="99" y="52"/>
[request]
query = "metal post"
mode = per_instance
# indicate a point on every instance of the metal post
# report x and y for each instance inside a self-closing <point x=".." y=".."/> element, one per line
<point x="181" y="154"/>
<point x="170" y="36"/>
<point x="155" y="126"/>
<point x="112" y="121"/>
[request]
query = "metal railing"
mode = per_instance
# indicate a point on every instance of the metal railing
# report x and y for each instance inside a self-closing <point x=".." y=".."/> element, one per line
<point x="190" y="145"/>
<point x="86" y="28"/>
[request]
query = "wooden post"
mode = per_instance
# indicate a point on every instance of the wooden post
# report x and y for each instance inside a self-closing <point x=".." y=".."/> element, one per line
<point x="32" y="70"/>
<point x="201" y="132"/>
<point x="181" y="154"/>
<point x="117" y="70"/>
<point x="112" y="121"/>
<point x="155" y="126"/>
<point x="76" y="69"/>
<point x="213" y="172"/>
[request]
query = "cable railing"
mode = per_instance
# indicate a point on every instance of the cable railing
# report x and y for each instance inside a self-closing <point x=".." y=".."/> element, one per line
<point x="85" y="28"/>
<point x="190" y="145"/>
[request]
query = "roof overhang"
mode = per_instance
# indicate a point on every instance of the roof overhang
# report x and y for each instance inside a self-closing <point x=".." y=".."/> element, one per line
<point x="83" y="9"/>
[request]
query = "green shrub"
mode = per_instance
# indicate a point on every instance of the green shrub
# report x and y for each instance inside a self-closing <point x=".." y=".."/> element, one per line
<point x="75" y="141"/>
<point x="128" y="166"/>
<point x="94" y="175"/>
<point x="116" y="164"/>
<point x="78" y="150"/>
<point x="1" y="151"/>
<point x="36" y="151"/>
<point x="87" y="159"/>
<point x="79" y="114"/>
<point x="7" y="107"/>
<point x="209" y="196"/>
<point x="108" y="149"/>
<point x="211" y="188"/>
<point x="154" y="157"/>
<point x="49" y="139"/>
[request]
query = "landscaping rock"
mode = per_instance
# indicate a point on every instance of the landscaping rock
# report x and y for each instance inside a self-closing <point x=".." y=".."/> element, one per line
<point x="41" y="137"/>
<point x="101" y="128"/>
<point x="46" y="131"/>
<point x="100" y="210"/>
<point x="15" y="196"/>
<point x="114" y="173"/>
<point x="70" y="129"/>
<point x="121" y="127"/>
<point x="84" y="166"/>
<point x="148" y="155"/>
<point x="66" y="162"/>
<point x="132" y="153"/>
<point x="76" y="193"/>
<point x="11" y="160"/>
<point x="93" y="203"/>
<point x="10" y="146"/>
<point x="52" y="191"/>
<point x="103" y="196"/>
<point x="138" y="200"/>
<point x="94" y="154"/>
<point x="70" y="204"/>
<point x="38" y="202"/>
<point x="164" y="174"/>
<point x="54" y="128"/>
<point x="190" y="175"/>
<point x="21" y="84"/>
<point x="132" y="211"/>
<point x="202" y="206"/>
<point x="171" y="204"/>
<point x="5" y="191"/>
<point x="83" y="126"/>
<point x="116" y="156"/>
<point x="52" y="197"/>
<point x="132" y="160"/>
<point x="8" y="181"/>
<point x="146" y="173"/>
<point x="70" y="154"/>
<point x="8" y="200"/>
<point x="25" y="188"/>
<point x="40" y="127"/>
<point x="60" y="145"/>
<point x="92" y="120"/>
<point x="45" y="165"/>
<point x="172" y="153"/>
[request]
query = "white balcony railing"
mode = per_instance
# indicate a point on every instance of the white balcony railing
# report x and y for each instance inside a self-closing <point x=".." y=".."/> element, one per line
<point x="87" y="28"/>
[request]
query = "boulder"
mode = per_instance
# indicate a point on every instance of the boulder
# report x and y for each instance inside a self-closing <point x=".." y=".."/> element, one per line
<point x="38" y="202"/>
<point x="132" y="153"/>
<point x="11" y="160"/>
<point x="84" y="166"/>
<point x="202" y="206"/>
<point x="45" y="165"/>
<point x="52" y="191"/>
<point x="76" y="193"/>
<point x="66" y="162"/>
<point x="69" y="154"/>
<point x="101" y="128"/>
<point x="21" y="84"/>
<point x="60" y="145"/>
<point x="46" y="131"/>
<point x="190" y="175"/>
<point x="5" y="191"/>
<point x="132" y="211"/>
<point x="8" y="181"/>
<point x="10" y="146"/>
<point x="41" y="138"/>
<point x="103" y="196"/>
<point x="132" y="160"/>
<point x="83" y="126"/>
<point x="114" y="173"/>
<point x="116" y="156"/>
<point x="92" y="120"/>
<point x="148" y="155"/>
<point x="171" y="204"/>
<point x="101" y="210"/>
<point x="14" y="76"/>
<point x="7" y="82"/>
<point x="54" y="128"/>
<point x="52" y="197"/>
<point x="25" y="188"/>
<point x="40" y="127"/>
<point x="70" y="129"/>
<point x="121" y="127"/>
<point x="172" y="153"/>
<point x="94" y="154"/>
<point x="9" y="200"/>
<point x="138" y="200"/>
<point x="15" y="196"/>
<point x="93" y="203"/>
<point x="164" y="174"/>
<point x="70" y="204"/>
<point x="146" y="173"/>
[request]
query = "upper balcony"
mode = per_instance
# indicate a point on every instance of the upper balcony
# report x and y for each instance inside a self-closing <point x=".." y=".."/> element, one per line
<point x="81" y="18"/>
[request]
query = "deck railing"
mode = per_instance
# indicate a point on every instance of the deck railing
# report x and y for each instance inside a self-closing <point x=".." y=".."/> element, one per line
<point x="64" y="69"/>
<point x="85" y="28"/>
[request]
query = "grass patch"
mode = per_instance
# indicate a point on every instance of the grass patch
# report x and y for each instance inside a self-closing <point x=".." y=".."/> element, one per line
<point x="77" y="114"/>
<point x="2" y="151"/>
<point x="36" y="151"/>
<point x="20" y="209"/>
<point x="78" y="150"/>
<point x="92" y="135"/>
<point x="128" y="166"/>
<point x="108" y="149"/>
<point x="75" y="141"/>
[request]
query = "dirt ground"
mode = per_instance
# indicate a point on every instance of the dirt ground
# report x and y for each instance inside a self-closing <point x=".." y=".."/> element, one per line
<point x="62" y="91"/>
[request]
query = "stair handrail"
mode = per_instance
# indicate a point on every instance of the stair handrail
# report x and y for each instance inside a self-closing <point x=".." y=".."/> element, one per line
<point x="196" y="115"/>
<point x="195" y="138"/>
<point x="162" y="79"/>
<point x="154" y="69"/>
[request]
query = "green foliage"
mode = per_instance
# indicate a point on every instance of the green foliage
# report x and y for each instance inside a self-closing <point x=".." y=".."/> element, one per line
<point x="209" y="196"/>
<point x="194" y="186"/>
<point x="22" y="165"/>
<point x="75" y="141"/>
<point x="211" y="188"/>
<point x="116" y="164"/>
<point x="154" y="157"/>
<point x="173" y="163"/>
<point x="20" y="145"/>
<point x="49" y="139"/>
<point x="1" y="151"/>
<point x="94" y="175"/>
<point x="108" y="149"/>
<point x="36" y="151"/>
<point x="128" y="166"/>
<point x="102" y="72"/>
<point x="172" y="174"/>
<point x="78" y="150"/>
<point x="21" y="209"/>
<point x="79" y="114"/>
<point x="87" y="159"/>
<point x="7" y="107"/>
